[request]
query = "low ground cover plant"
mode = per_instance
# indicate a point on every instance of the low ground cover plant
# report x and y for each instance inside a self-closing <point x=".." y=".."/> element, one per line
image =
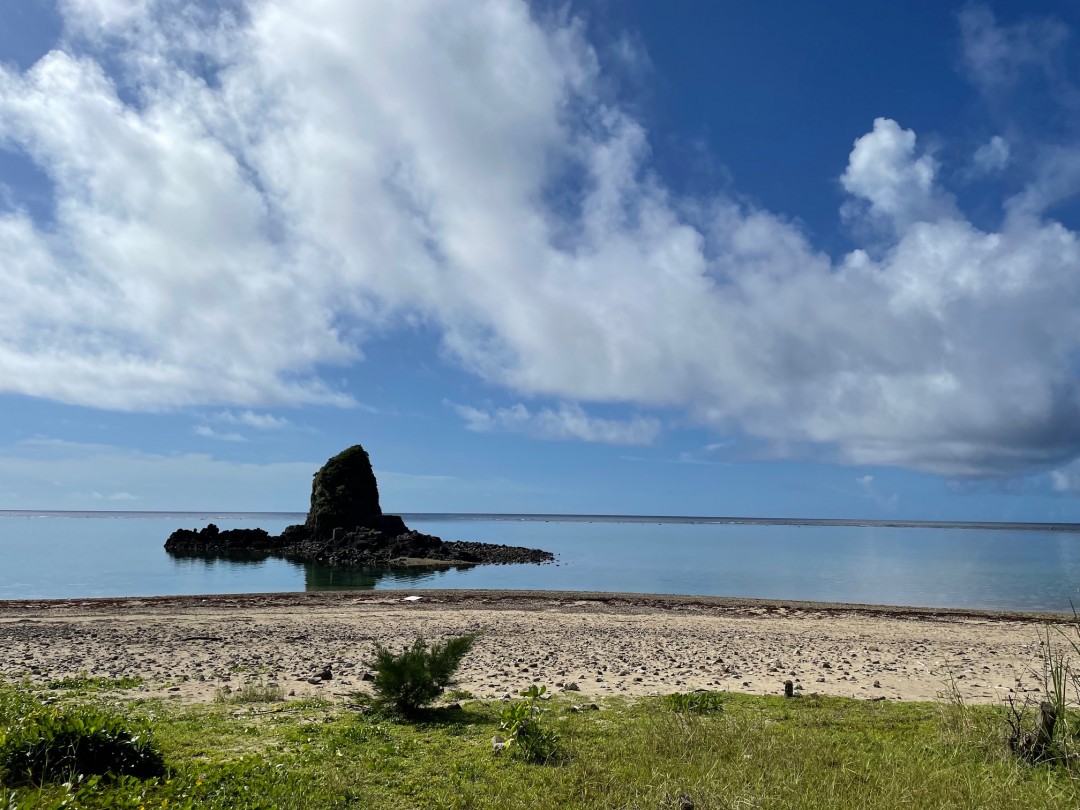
<point x="48" y="744"/>
<point x="85" y="683"/>
<point x="406" y="682"/>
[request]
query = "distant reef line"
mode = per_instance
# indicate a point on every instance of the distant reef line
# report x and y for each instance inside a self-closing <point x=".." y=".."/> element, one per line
<point x="554" y="517"/>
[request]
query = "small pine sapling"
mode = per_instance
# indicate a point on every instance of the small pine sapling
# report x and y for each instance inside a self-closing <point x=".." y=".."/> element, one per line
<point x="408" y="681"/>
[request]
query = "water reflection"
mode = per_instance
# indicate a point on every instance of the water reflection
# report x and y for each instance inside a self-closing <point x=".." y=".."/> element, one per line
<point x="235" y="557"/>
<point x="321" y="578"/>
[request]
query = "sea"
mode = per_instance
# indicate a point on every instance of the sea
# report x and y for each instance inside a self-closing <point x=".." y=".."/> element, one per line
<point x="985" y="566"/>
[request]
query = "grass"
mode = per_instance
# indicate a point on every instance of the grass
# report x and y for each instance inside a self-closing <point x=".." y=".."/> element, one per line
<point x="251" y="692"/>
<point x="758" y="752"/>
<point x="84" y="685"/>
<point x="700" y="702"/>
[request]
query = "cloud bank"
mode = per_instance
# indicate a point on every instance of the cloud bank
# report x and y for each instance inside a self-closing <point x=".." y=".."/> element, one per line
<point x="246" y="196"/>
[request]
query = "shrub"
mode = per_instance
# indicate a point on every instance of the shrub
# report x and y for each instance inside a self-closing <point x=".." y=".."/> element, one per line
<point x="417" y="676"/>
<point x="53" y="746"/>
<point x="526" y="736"/>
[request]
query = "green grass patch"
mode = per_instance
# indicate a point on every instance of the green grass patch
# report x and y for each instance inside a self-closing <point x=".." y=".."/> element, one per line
<point x="759" y="752"/>
<point x="83" y="684"/>
<point x="699" y="702"/>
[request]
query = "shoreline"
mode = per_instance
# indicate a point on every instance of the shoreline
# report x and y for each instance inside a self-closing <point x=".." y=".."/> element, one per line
<point x="191" y="648"/>
<point x="522" y="598"/>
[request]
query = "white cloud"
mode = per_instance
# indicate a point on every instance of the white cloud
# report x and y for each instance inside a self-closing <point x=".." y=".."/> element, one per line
<point x="885" y="170"/>
<point x="870" y="492"/>
<point x="102" y="14"/>
<point x="347" y="167"/>
<point x="992" y="156"/>
<point x="996" y="56"/>
<point x="115" y="496"/>
<point x="1057" y="178"/>
<point x="259" y="421"/>
<point x="568" y="421"/>
<point x="208" y="432"/>
<point x="1066" y="480"/>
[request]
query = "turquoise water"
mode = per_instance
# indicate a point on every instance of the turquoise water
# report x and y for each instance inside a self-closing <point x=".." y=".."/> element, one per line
<point x="85" y="555"/>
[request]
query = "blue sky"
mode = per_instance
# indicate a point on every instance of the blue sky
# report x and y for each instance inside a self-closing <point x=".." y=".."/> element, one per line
<point x="598" y="257"/>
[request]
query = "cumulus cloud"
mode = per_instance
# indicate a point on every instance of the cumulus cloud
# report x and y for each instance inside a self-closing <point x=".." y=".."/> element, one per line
<point x="246" y="197"/>
<point x="102" y="15"/>
<point x="568" y="421"/>
<point x="886" y="171"/>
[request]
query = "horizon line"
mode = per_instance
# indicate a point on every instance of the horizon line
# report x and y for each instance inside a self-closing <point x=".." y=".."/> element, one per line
<point x="598" y="517"/>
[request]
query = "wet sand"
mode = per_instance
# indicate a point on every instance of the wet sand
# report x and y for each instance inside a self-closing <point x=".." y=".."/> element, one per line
<point x="189" y="648"/>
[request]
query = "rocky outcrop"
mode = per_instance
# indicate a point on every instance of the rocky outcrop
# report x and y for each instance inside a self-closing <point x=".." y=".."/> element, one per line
<point x="346" y="528"/>
<point x="345" y="495"/>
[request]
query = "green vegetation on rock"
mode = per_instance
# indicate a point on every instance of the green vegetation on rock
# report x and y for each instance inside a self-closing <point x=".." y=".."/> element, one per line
<point x="344" y="493"/>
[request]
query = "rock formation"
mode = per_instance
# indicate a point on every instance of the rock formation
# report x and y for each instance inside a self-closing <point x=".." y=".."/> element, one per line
<point x="346" y="528"/>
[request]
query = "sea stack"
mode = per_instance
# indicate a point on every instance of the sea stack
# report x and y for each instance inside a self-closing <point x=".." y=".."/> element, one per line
<point x="346" y="528"/>
<point x="345" y="497"/>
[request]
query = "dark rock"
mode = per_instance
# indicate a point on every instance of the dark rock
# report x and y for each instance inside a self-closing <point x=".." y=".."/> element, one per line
<point x="346" y="529"/>
<point x="344" y="494"/>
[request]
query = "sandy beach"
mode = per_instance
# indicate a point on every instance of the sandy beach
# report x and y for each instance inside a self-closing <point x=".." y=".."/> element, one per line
<point x="189" y="648"/>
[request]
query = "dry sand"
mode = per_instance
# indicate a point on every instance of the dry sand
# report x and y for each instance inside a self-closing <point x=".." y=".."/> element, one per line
<point x="188" y="648"/>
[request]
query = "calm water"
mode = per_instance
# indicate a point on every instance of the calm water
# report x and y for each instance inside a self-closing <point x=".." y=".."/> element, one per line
<point x="53" y="556"/>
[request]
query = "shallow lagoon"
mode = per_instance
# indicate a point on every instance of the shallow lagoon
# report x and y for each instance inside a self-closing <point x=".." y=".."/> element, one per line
<point x="56" y="555"/>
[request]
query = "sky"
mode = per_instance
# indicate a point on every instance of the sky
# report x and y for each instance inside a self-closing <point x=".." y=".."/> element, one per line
<point x="731" y="258"/>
